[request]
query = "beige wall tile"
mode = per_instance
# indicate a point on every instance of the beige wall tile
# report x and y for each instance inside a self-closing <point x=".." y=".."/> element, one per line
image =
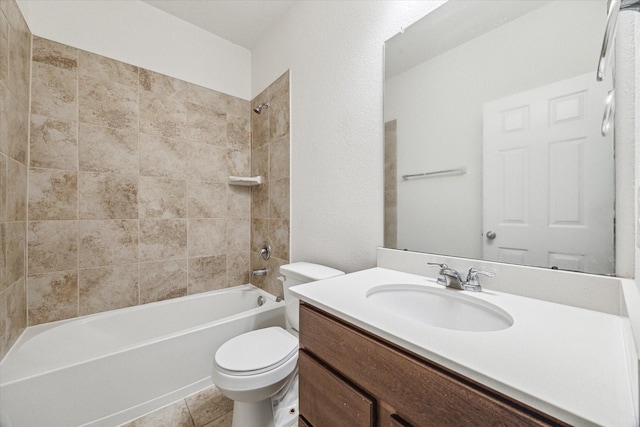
<point x="238" y="235"/>
<point x="238" y="124"/>
<point x="207" y="273"/>
<point x="54" y="143"/>
<point x="279" y="199"/>
<point x="102" y="149"/>
<point x="16" y="191"/>
<point x="54" y="92"/>
<point x="100" y="67"/>
<point x="162" y="239"/>
<point x="207" y="97"/>
<point x="53" y="246"/>
<point x="260" y="201"/>
<point x="238" y="202"/>
<point x="207" y="199"/>
<point x="4" y="283"/>
<point x="13" y="314"/>
<point x="107" y="196"/>
<point x="260" y="162"/>
<point x="4" y="48"/>
<point x="163" y="280"/>
<point x="259" y="235"/>
<point x="162" y="115"/>
<point x="238" y="268"/>
<point x="4" y="118"/>
<point x="279" y="158"/>
<point x="52" y="296"/>
<point x="208" y="405"/>
<point x="206" y="125"/>
<point x="54" y="54"/>
<point x="3" y="187"/>
<point x="14" y="128"/>
<point x="53" y="194"/>
<point x="207" y="162"/>
<point x="259" y="127"/>
<point x="278" y="117"/>
<point x="15" y="50"/>
<point x="107" y="288"/>
<point x="279" y="237"/>
<point x="239" y="162"/>
<point x="162" y="198"/>
<point x="107" y="103"/>
<point x="162" y="84"/>
<point x="19" y="60"/>
<point x="14" y="238"/>
<point x="280" y="87"/>
<point x="207" y="237"/>
<point x="161" y="156"/>
<point x="107" y="242"/>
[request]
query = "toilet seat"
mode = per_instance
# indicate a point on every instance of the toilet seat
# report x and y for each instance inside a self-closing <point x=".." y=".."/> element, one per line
<point x="256" y="352"/>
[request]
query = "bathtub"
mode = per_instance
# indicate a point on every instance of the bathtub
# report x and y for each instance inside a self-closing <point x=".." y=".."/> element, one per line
<point x="109" y="368"/>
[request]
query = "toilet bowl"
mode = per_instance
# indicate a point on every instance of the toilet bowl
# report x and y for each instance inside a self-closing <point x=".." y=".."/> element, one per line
<point x="254" y="367"/>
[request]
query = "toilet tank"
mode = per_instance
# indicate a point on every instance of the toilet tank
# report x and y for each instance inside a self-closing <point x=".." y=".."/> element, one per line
<point x="298" y="273"/>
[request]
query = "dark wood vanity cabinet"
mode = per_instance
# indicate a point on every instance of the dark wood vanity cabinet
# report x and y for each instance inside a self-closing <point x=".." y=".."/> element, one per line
<point x="351" y="378"/>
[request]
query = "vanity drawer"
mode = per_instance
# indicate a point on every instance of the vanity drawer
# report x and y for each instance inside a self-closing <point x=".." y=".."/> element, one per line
<point x="326" y="400"/>
<point x="422" y="392"/>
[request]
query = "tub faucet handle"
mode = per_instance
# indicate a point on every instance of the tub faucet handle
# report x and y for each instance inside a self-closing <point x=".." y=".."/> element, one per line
<point x="265" y="251"/>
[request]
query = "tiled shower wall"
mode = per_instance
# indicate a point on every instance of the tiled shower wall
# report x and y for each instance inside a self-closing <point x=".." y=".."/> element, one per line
<point x="15" y="46"/>
<point x="128" y="196"/>
<point x="270" y="142"/>
<point x="391" y="184"/>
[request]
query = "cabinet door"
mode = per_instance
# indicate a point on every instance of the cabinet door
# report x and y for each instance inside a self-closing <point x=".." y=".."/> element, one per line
<point x="396" y="421"/>
<point x="425" y="393"/>
<point x="326" y="400"/>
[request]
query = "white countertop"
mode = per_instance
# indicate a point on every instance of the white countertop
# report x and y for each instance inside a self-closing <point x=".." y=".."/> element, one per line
<point x="565" y="361"/>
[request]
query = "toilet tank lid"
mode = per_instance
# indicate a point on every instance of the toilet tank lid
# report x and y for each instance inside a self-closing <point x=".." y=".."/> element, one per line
<point x="308" y="271"/>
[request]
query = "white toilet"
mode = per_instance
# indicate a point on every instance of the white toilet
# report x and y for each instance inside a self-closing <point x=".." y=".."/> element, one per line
<point x="253" y="367"/>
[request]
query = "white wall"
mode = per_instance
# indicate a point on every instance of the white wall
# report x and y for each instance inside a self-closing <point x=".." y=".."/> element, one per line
<point x="439" y="105"/>
<point x="335" y="53"/>
<point x="137" y="33"/>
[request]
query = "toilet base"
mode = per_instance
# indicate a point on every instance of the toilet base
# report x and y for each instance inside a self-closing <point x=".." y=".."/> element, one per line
<point x="252" y="414"/>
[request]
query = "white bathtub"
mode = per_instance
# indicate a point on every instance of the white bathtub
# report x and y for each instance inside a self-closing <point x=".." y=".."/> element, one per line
<point x="109" y="368"/>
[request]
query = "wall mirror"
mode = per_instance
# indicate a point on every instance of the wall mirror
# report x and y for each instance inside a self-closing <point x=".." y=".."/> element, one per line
<point x="494" y="147"/>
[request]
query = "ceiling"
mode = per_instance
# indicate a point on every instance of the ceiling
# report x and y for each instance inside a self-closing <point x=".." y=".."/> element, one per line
<point x="242" y="22"/>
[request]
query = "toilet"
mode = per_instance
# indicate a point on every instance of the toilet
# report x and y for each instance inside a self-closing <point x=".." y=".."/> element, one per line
<point x="258" y="369"/>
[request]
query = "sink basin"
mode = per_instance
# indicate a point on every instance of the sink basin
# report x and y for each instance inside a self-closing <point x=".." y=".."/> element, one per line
<point x="442" y="308"/>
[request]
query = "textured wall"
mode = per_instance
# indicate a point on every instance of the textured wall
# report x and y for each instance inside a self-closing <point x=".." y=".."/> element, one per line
<point x="128" y="195"/>
<point x="334" y="50"/>
<point x="270" y="201"/>
<point x="15" y="45"/>
<point x="137" y="33"/>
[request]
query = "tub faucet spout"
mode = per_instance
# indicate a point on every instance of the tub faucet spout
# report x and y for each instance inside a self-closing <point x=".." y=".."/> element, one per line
<point x="260" y="272"/>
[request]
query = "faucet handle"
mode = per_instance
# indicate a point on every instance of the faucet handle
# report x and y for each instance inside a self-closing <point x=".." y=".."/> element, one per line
<point x="473" y="283"/>
<point x="443" y="267"/>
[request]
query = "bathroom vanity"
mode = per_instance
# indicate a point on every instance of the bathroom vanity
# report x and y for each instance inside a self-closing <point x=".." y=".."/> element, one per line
<point x="353" y="378"/>
<point x="365" y="364"/>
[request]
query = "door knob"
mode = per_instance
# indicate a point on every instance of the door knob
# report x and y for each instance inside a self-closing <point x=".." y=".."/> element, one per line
<point x="491" y="235"/>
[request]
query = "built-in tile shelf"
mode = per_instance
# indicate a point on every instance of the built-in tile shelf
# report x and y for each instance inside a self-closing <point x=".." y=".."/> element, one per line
<point x="248" y="181"/>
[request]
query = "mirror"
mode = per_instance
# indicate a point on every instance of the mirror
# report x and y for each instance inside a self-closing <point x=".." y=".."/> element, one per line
<point x="493" y="141"/>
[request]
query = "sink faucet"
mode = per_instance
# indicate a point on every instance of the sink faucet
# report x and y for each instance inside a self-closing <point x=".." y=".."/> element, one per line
<point x="450" y="278"/>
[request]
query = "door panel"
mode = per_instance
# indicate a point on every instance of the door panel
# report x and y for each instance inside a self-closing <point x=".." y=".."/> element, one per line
<point x="548" y="178"/>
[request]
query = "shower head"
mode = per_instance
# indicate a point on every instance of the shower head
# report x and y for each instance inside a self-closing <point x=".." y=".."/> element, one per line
<point x="259" y="108"/>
